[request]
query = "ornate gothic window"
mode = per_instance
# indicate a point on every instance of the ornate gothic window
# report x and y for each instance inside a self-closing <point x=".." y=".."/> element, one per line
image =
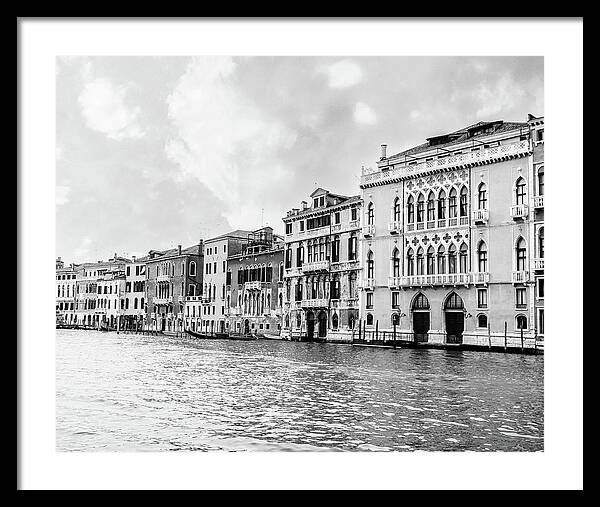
<point x="441" y="260"/>
<point x="397" y="210"/>
<point x="370" y="265"/>
<point x="442" y="205"/>
<point x="482" y="196"/>
<point x="430" y="207"/>
<point x="520" y="192"/>
<point x="410" y="210"/>
<point x="463" y="202"/>
<point x="395" y="263"/>
<point x="462" y="261"/>
<point x="370" y="214"/>
<point x="420" y="208"/>
<point x="430" y="261"/>
<point x="482" y="257"/>
<point x="452" y="204"/>
<point x="452" y="259"/>
<point x="410" y="262"/>
<point x="521" y="253"/>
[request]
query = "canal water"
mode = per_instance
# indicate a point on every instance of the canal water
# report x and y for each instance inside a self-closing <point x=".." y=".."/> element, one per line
<point x="148" y="393"/>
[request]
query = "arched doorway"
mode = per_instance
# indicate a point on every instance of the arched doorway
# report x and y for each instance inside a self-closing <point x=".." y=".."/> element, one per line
<point x="322" y="324"/>
<point x="420" y="314"/>
<point x="310" y="325"/>
<point x="455" y="318"/>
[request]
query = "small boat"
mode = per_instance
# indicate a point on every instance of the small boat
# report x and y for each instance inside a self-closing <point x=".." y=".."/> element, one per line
<point x="196" y="334"/>
<point x="271" y="336"/>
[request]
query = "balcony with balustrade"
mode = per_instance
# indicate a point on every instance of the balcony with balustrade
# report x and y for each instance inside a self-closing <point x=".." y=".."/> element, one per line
<point x="538" y="201"/>
<point x="314" y="303"/>
<point x="394" y="282"/>
<point x="368" y="283"/>
<point x="519" y="211"/>
<point x="368" y="231"/>
<point x="254" y="285"/>
<point x="395" y="227"/>
<point x="480" y="216"/>
<point x="520" y="277"/>
<point x="295" y="271"/>
<point x="538" y="264"/>
<point x="163" y="300"/>
<point x="163" y="278"/>
<point x="480" y="278"/>
<point x="310" y="267"/>
<point x="439" y="279"/>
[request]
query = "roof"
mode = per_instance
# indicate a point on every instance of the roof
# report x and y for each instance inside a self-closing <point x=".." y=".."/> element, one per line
<point x="238" y="233"/>
<point x="349" y="200"/>
<point x="171" y="252"/>
<point x="462" y="135"/>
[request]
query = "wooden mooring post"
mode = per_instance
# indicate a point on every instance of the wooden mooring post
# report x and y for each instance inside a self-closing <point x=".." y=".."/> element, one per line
<point x="394" y="341"/>
<point x="505" y="326"/>
<point x="521" y="338"/>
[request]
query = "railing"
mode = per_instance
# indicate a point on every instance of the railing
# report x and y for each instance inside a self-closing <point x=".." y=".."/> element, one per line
<point x="441" y="222"/>
<point x="293" y="271"/>
<point x="480" y="215"/>
<point x="464" y="220"/>
<point x="431" y="224"/>
<point x="368" y="230"/>
<point x="163" y="278"/>
<point x="439" y="279"/>
<point x="519" y="211"/>
<point x="314" y="303"/>
<point x="368" y="283"/>
<point x="520" y="276"/>
<point x="538" y="263"/>
<point x="193" y="298"/>
<point x="410" y="227"/>
<point x="315" y="266"/>
<point x="395" y="227"/>
<point x="235" y="310"/>
<point x="394" y="282"/>
<point x="371" y="176"/>
<point x="254" y="285"/>
<point x="162" y="301"/>
<point x="343" y="266"/>
<point x="538" y="201"/>
<point x="481" y="277"/>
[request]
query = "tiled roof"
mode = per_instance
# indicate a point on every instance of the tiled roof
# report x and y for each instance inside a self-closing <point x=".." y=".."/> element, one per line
<point x="238" y="233"/>
<point x="461" y="137"/>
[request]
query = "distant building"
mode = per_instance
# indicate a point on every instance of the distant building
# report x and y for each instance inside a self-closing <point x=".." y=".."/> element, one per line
<point x="133" y="302"/>
<point x="254" y="285"/>
<point x="322" y="267"/>
<point x="214" y="300"/>
<point x="449" y="244"/>
<point x="66" y="287"/>
<point x="171" y="275"/>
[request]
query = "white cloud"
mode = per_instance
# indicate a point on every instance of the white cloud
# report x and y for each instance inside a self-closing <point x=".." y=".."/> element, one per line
<point x="502" y="95"/>
<point x="363" y="114"/>
<point x="104" y="107"/>
<point x="62" y="194"/>
<point x="225" y="140"/>
<point x="344" y="73"/>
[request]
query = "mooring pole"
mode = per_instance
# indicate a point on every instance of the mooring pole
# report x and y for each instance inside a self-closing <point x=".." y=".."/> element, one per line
<point x="521" y="338"/>
<point x="376" y="330"/>
<point x="505" y="325"/>
<point x="394" y="342"/>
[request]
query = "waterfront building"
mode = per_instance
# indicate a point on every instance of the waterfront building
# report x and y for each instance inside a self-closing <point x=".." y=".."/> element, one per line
<point x="321" y="267"/>
<point x="448" y="239"/>
<point x="133" y="301"/>
<point x="92" y="302"/>
<point x="66" y="286"/>
<point x="254" y="285"/>
<point x="171" y="275"/>
<point x="214" y="302"/>
<point x="111" y="289"/>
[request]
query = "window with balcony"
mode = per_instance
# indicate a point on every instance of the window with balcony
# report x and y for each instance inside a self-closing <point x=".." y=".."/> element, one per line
<point x="520" y="192"/>
<point x="410" y="210"/>
<point x="452" y="259"/>
<point x="442" y="205"/>
<point x="420" y="262"/>
<point x="463" y="202"/>
<point x="482" y="298"/>
<point x="452" y="204"/>
<point x="395" y="263"/>
<point x="521" y="255"/>
<point x="430" y="261"/>
<point x="482" y="260"/>
<point x="370" y="214"/>
<point x="441" y="260"/>
<point x="482" y="196"/>
<point x="420" y="208"/>
<point x="410" y="262"/>
<point x="370" y="265"/>
<point x="396" y="210"/>
<point x="430" y="207"/>
<point x="463" y="258"/>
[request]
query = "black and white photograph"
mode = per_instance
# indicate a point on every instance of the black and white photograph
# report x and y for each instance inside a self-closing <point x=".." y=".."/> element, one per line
<point x="294" y="255"/>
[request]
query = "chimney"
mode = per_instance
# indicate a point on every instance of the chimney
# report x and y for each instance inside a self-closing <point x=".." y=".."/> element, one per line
<point x="383" y="150"/>
<point x="133" y="258"/>
<point x="178" y="249"/>
<point x="304" y="205"/>
<point x="200" y="245"/>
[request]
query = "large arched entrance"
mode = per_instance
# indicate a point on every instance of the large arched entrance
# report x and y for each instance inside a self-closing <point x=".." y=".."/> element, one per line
<point x="420" y="314"/>
<point x="310" y="325"/>
<point x="322" y="324"/>
<point x="455" y="318"/>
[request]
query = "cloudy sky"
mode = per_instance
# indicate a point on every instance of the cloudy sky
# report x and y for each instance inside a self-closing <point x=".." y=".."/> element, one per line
<point x="153" y="152"/>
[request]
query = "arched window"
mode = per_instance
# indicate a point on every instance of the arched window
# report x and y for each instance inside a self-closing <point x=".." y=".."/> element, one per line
<point x="482" y="257"/>
<point x="420" y="302"/>
<point x="370" y="214"/>
<point x="410" y="207"/>
<point x="142" y="303"/>
<point x="369" y="319"/>
<point x="482" y="196"/>
<point x="482" y="320"/>
<point x="540" y="179"/>
<point x="521" y="322"/>
<point x="430" y="261"/>
<point x="462" y="258"/>
<point x="521" y="251"/>
<point x="370" y="265"/>
<point x="420" y="208"/>
<point x="441" y="260"/>
<point x="454" y="302"/>
<point x="452" y="259"/>
<point x="395" y="263"/>
<point x="192" y="268"/>
<point x="452" y="204"/>
<point x="420" y="262"/>
<point x="410" y="262"/>
<point x="397" y="210"/>
<point x="430" y="207"/>
<point x="520" y="191"/>
<point x="463" y="202"/>
<point x="442" y="205"/>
